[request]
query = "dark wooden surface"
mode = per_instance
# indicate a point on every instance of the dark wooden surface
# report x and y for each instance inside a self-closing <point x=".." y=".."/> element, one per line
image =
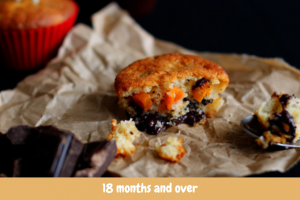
<point x="263" y="28"/>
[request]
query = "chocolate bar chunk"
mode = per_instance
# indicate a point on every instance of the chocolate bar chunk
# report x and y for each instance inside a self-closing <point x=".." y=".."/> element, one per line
<point x="48" y="152"/>
<point x="95" y="158"/>
<point x="43" y="151"/>
<point x="19" y="135"/>
<point x="6" y="156"/>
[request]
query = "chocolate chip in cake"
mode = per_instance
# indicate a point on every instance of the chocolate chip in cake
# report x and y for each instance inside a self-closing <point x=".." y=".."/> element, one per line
<point x="284" y="99"/>
<point x="200" y="82"/>
<point x="152" y="124"/>
<point x="283" y="122"/>
<point x="206" y="101"/>
<point x="191" y="118"/>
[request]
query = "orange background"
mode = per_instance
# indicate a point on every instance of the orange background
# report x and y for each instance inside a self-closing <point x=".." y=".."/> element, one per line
<point x="92" y="188"/>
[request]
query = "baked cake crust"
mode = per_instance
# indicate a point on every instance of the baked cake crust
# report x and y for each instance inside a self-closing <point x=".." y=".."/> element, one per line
<point x="158" y="70"/>
<point x="33" y="14"/>
<point x="171" y="89"/>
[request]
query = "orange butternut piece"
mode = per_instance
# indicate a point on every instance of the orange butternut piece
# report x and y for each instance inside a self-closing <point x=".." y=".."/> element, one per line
<point x="173" y="96"/>
<point x="162" y="107"/>
<point x="202" y="91"/>
<point x="143" y="100"/>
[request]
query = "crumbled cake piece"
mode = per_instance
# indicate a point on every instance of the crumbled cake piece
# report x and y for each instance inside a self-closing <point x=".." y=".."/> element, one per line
<point x="124" y="133"/>
<point x="171" y="150"/>
<point x="280" y="117"/>
<point x="170" y="89"/>
<point x="269" y="139"/>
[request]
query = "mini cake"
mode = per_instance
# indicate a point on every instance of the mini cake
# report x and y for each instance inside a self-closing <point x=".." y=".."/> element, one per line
<point x="123" y="133"/>
<point x="170" y="89"/>
<point x="31" y="31"/>
<point x="280" y="117"/>
<point x="33" y="14"/>
<point x="171" y="150"/>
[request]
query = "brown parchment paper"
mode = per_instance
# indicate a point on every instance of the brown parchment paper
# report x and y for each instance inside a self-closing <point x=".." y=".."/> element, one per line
<point x="75" y="92"/>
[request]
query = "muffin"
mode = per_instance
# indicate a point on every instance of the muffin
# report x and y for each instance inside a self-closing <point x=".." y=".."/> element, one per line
<point x="170" y="89"/>
<point x="31" y="31"/>
<point x="280" y="117"/>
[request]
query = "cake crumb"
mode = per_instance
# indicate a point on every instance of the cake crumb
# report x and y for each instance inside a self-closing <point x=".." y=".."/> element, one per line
<point x="171" y="150"/>
<point x="269" y="139"/>
<point x="124" y="133"/>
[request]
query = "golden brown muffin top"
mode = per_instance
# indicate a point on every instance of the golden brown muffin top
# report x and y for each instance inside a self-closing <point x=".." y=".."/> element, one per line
<point x="32" y="14"/>
<point x="156" y="71"/>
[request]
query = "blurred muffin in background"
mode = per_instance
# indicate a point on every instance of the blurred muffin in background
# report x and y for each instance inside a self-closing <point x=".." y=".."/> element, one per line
<point x="31" y="31"/>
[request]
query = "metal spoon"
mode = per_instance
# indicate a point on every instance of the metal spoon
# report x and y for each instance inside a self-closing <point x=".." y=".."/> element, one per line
<point x="252" y="126"/>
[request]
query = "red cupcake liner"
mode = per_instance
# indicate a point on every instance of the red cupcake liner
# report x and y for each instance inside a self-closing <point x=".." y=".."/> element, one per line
<point x="33" y="48"/>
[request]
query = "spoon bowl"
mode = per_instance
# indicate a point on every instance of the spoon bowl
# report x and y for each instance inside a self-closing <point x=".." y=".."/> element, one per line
<point x="251" y="125"/>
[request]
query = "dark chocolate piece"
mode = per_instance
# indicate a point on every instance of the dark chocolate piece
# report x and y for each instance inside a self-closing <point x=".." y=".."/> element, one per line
<point x="71" y="158"/>
<point x="95" y="158"/>
<point x="191" y="118"/>
<point x="43" y="151"/>
<point x="278" y="123"/>
<point x="194" y="105"/>
<point x="19" y="135"/>
<point x="46" y="151"/>
<point x="206" y="101"/>
<point x="148" y="123"/>
<point x="17" y="166"/>
<point x="6" y="156"/>
<point x="136" y="107"/>
<point x="284" y="99"/>
<point x="200" y="82"/>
